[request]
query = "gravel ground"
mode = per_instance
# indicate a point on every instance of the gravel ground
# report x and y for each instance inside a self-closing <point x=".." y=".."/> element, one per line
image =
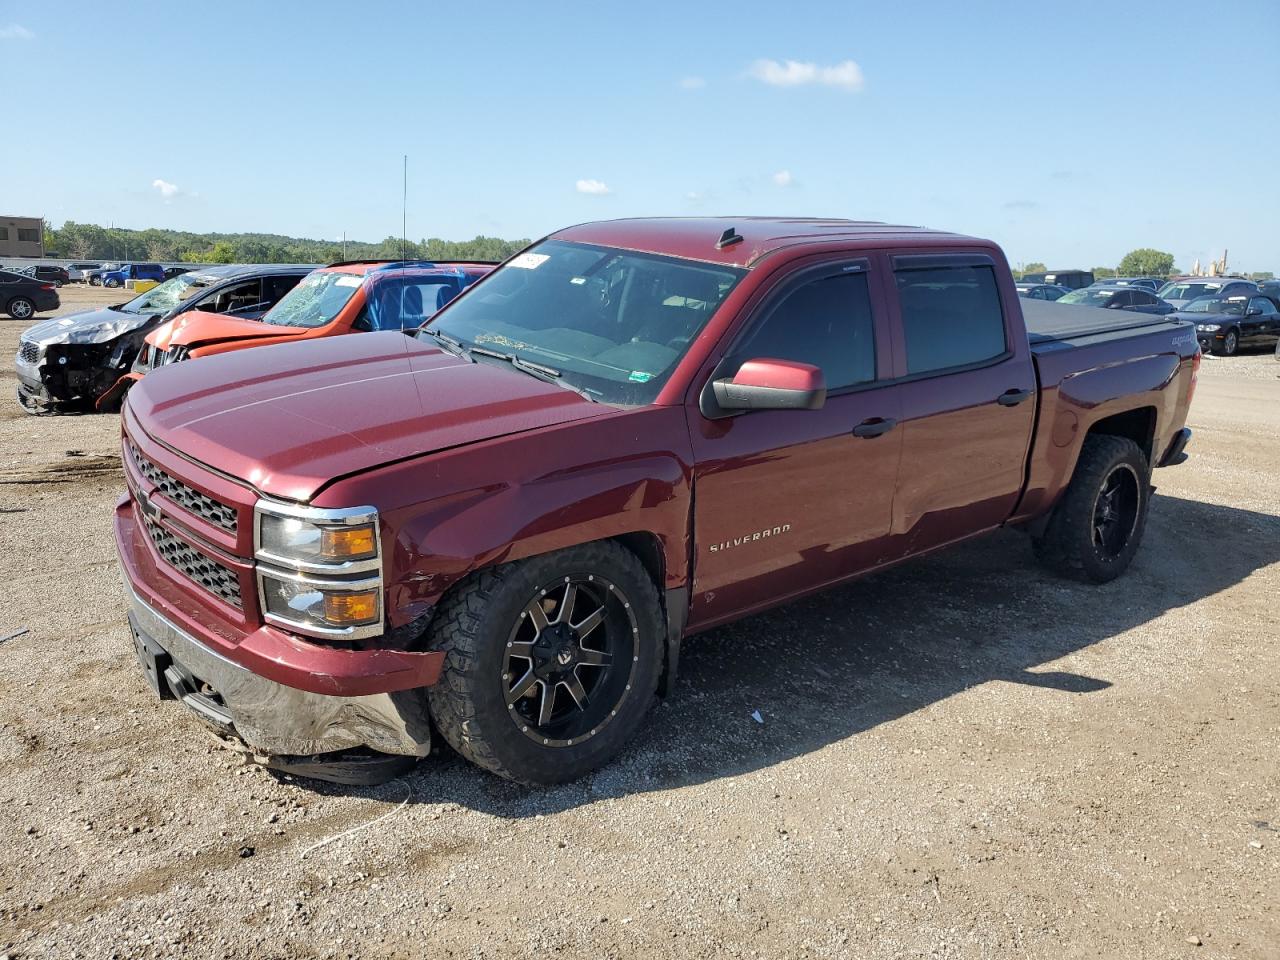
<point x="964" y="757"/>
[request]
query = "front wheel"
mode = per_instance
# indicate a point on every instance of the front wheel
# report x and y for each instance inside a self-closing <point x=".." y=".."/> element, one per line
<point x="550" y="663"/>
<point x="1230" y="344"/>
<point x="20" y="308"/>
<point x="95" y="282"/>
<point x="1096" y="527"/>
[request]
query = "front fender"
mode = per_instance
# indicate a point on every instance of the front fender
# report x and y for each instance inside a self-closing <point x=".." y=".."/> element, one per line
<point x="447" y="515"/>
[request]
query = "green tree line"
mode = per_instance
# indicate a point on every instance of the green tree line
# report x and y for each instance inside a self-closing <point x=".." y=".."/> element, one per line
<point x="88" y="241"/>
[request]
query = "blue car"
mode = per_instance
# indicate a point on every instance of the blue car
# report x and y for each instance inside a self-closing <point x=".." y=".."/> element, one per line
<point x="133" y="271"/>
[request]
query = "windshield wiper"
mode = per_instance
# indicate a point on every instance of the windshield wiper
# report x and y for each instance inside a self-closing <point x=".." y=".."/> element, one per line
<point x="450" y="344"/>
<point x="538" y="371"/>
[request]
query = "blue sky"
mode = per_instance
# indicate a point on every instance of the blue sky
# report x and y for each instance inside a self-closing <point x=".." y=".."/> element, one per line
<point x="1070" y="133"/>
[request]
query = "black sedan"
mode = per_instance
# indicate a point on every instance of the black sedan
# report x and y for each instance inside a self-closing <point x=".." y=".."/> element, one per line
<point x="77" y="360"/>
<point x="23" y="296"/>
<point x="1119" y="298"/>
<point x="1223" y="326"/>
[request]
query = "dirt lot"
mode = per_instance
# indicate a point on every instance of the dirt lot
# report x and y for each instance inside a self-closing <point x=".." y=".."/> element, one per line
<point x="962" y="758"/>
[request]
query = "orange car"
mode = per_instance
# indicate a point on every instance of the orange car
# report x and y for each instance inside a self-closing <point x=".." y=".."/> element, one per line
<point x="343" y="298"/>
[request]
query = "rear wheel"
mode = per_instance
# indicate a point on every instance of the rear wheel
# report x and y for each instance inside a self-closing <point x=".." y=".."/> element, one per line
<point x="550" y="663"/>
<point x="112" y="282"/>
<point x="95" y="281"/>
<point x="1096" y="527"/>
<point x="20" y="308"/>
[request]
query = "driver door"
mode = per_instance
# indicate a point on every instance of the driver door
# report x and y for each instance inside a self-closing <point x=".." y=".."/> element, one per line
<point x="788" y="500"/>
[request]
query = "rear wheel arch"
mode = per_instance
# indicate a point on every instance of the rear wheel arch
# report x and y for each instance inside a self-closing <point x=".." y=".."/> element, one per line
<point x="1138" y="425"/>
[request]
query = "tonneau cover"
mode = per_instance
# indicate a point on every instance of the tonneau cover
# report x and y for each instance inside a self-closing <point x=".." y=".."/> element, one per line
<point x="1048" y="321"/>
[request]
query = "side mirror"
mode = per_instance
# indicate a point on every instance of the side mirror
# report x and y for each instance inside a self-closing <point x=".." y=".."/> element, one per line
<point x="1253" y="312"/>
<point x="767" y="384"/>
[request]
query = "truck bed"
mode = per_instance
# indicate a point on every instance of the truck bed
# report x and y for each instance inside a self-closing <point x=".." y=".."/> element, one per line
<point x="1051" y="325"/>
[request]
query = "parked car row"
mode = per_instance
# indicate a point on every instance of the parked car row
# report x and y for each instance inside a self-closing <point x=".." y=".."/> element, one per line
<point x="1229" y="312"/>
<point x="94" y="357"/>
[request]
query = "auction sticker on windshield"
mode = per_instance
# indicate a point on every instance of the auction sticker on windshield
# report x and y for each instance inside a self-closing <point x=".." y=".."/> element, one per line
<point x="348" y="282"/>
<point x="529" y="261"/>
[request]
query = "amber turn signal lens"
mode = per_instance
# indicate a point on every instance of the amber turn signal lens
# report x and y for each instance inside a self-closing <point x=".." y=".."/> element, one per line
<point x="345" y="543"/>
<point x="348" y="608"/>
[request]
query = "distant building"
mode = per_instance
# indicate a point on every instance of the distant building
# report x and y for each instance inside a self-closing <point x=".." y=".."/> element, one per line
<point x="21" y="236"/>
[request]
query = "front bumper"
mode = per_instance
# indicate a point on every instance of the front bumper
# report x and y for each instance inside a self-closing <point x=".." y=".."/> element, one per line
<point x="270" y="717"/>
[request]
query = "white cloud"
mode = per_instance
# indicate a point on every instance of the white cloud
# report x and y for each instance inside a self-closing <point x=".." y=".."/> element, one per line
<point x="15" y="31"/>
<point x="594" y="188"/>
<point x="693" y="83"/>
<point x="783" y="178"/>
<point x="167" y="190"/>
<point x="846" y="75"/>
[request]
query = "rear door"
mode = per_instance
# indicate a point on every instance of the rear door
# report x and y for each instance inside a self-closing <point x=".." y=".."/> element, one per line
<point x="968" y="392"/>
<point x="786" y="500"/>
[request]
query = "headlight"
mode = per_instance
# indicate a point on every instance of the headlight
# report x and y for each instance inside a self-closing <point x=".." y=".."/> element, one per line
<point x="317" y="605"/>
<point x="319" y="571"/>
<point x="1208" y="327"/>
<point x="318" y="541"/>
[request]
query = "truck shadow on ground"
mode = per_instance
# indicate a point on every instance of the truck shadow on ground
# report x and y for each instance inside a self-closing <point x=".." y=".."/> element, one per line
<point x="842" y="662"/>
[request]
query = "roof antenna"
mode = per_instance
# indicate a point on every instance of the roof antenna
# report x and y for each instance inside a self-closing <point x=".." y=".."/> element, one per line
<point x="729" y="238"/>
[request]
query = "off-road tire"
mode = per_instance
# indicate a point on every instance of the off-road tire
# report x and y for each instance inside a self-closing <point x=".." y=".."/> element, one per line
<point x="1067" y="544"/>
<point x="21" y="308"/>
<point x="471" y="627"/>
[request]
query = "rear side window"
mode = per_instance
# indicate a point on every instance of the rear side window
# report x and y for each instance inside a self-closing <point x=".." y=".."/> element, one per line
<point x="826" y="323"/>
<point x="951" y="315"/>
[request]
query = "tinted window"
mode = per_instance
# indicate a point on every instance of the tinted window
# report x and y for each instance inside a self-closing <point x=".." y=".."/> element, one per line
<point x="826" y="323"/>
<point x="951" y="316"/>
<point x="1263" y="304"/>
<point x="1142" y="298"/>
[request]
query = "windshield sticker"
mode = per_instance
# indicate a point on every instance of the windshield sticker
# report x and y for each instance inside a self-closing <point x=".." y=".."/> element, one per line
<point x="530" y="261"/>
<point x="578" y="280"/>
<point x="348" y="281"/>
<point x="640" y="376"/>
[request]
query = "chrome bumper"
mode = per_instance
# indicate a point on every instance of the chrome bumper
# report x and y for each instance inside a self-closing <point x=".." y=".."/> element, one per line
<point x="269" y="717"/>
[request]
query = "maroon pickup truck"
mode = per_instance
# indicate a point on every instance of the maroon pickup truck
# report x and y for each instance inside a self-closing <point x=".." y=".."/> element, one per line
<point x="500" y="530"/>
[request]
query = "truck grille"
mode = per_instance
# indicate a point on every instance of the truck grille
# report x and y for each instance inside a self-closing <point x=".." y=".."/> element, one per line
<point x="29" y="351"/>
<point x="221" y="581"/>
<point x="219" y="514"/>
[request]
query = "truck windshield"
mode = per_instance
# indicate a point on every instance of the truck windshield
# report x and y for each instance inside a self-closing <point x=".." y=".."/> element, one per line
<point x="165" y="296"/>
<point x="315" y="301"/>
<point x="609" y="323"/>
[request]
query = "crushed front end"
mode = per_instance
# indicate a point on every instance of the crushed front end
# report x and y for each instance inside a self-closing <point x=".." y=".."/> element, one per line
<point x="266" y="619"/>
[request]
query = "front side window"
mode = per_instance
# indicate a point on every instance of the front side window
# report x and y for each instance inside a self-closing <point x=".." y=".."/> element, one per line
<point x="316" y="300"/>
<point x="951" y="316"/>
<point x="610" y="323"/>
<point x="1263" y="305"/>
<point x="243" y="297"/>
<point x="826" y="323"/>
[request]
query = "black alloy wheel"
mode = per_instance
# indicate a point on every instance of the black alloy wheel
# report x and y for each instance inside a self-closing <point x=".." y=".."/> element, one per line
<point x="569" y="660"/>
<point x="1115" y="512"/>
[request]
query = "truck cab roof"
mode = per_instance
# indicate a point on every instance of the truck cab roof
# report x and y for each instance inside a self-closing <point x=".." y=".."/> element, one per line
<point x="745" y="241"/>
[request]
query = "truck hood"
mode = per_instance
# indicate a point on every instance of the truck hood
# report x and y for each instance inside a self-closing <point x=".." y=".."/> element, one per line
<point x="196" y="327"/>
<point x="289" y="419"/>
<point x="88" y="326"/>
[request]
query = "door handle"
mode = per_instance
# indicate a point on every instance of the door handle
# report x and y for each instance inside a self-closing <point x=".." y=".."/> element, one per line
<point x="1011" y="398"/>
<point x="875" y="427"/>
